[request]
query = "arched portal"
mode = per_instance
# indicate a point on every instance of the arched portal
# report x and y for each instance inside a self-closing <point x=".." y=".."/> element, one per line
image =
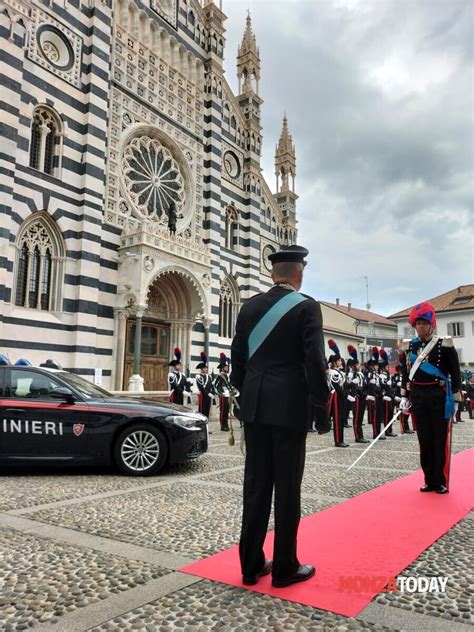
<point x="174" y="303"/>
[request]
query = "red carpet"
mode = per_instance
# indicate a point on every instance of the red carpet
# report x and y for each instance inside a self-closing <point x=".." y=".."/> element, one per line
<point x="376" y="534"/>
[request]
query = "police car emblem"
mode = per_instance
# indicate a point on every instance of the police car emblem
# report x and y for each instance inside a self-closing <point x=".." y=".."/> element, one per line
<point x="78" y="429"/>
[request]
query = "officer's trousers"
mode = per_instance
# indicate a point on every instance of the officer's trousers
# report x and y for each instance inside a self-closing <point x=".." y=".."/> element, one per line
<point x="359" y="410"/>
<point x="427" y="408"/>
<point x="336" y="413"/>
<point x="274" y="458"/>
<point x="204" y="403"/>
<point x="374" y="411"/>
<point x="224" y="408"/>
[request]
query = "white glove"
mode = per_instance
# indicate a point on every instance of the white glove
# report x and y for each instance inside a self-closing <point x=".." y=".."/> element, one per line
<point x="386" y="398"/>
<point x="397" y="399"/>
<point x="370" y="398"/>
<point x="405" y="404"/>
<point x="350" y="398"/>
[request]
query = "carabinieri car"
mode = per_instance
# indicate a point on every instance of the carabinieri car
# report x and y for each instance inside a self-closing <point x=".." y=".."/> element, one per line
<point x="52" y="416"/>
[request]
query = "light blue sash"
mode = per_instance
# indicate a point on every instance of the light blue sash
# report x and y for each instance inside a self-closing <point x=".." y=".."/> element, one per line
<point x="270" y="320"/>
<point x="430" y="369"/>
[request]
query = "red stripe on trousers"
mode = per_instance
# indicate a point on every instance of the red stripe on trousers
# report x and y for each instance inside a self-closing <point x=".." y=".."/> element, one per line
<point x="355" y="420"/>
<point x="447" y="453"/>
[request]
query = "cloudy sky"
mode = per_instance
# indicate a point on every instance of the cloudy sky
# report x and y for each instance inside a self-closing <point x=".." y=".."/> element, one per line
<point x="379" y="99"/>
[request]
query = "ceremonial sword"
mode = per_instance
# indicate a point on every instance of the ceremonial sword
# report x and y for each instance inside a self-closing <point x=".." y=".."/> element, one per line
<point x="394" y="418"/>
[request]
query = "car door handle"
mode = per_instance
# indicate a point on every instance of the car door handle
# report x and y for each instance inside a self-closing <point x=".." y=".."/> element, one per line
<point x="15" y="410"/>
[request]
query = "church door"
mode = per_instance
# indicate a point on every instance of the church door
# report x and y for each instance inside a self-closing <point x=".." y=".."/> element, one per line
<point x="155" y="353"/>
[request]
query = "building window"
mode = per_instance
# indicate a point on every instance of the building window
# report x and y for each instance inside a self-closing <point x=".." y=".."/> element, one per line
<point x="40" y="256"/>
<point x="228" y="307"/>
<point x="231" y="228"/>
<point x="456" y="330"/>
<point x="45" y="142"/>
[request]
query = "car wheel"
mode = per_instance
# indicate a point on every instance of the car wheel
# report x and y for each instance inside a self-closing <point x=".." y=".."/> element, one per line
<point x="140" y="450"/>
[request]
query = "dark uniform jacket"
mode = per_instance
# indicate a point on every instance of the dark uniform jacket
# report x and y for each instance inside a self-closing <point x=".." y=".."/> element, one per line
<point x="284" y="382"/>
<point x="204" y="384"/>
<point x="443" y="355"/>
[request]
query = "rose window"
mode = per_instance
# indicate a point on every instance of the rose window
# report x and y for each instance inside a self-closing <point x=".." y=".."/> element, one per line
<point x="153" y="178"/>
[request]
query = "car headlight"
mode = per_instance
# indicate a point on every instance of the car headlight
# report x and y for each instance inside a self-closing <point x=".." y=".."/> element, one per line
<point x="186" y="421"/>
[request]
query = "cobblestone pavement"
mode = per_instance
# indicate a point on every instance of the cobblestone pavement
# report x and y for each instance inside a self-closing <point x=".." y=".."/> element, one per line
<point x="94" y="550"/>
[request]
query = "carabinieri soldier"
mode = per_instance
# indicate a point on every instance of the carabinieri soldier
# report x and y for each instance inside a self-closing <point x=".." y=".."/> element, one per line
<point x="432" y="382"/>
<point x="355" y="381"/>
<point x="277" y="366"/>
<point x="224" y="389"/>
<point x="177" y="381"/>
<point x="387" y="392"/>
<point x="374" y="394"/>
<point x="205" y="386"/>
<point x="337" y="401"/>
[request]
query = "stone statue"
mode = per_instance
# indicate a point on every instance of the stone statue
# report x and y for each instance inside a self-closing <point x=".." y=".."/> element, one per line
<point x="172" y="217"/>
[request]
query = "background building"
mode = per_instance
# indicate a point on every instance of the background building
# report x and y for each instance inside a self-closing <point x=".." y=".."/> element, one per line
<point x="358" y="327"/>
<point x="454" y="317"/>
<point x="113" y="114"/>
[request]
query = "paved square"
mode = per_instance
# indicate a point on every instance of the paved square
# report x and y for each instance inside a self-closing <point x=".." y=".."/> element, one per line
<point x="94" y="550"/>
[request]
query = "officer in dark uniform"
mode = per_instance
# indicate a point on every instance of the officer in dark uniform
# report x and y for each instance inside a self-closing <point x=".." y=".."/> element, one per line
<point x="205" y="386"/>
<point x="388" y="392"/>
<point x="283" y="388"/>
<point x="432" y="382"/>
<point x="374" y="394"/>
<point x="355" y="381"/>
<point x="224" y="389"/>
<point x="177" y="381"/>
<point x="337" y="401"/>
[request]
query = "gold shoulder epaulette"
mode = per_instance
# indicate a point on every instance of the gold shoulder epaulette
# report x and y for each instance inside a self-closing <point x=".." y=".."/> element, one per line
<point x="406" y="344"/>
<point x="447" y="341"/>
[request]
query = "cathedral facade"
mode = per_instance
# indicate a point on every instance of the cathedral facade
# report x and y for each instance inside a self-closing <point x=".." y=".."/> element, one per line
<point x="117" y="119"/>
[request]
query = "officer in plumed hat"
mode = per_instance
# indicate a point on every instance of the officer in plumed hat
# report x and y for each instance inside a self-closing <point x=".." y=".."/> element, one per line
<point x="431" y="383"/>
<point x="277" y="367"/>
<point x="337" y="401"/>
<point x="224" y="389"/>
<point x="355" y="381"/>
<point x="177" y="381"/>
<point x="205" y="386"/>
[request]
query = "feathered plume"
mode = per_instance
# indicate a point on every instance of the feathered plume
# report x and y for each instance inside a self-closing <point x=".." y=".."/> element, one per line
<point x="203" y="357"/>
<point x="223" y="357"/>
<point x="383" y="355"/>
<point x="375" y="354"/>
<point x="352" y="352"/>
<point x="177" y="353"/>
<point x="333" y="346"/>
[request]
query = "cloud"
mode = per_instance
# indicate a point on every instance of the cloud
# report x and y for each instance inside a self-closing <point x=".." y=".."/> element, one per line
<point x="379" y="99"/>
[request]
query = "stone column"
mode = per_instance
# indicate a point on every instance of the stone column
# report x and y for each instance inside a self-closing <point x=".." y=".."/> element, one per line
<point x="135" y="382"/>
<point x="207" y="327"/>
<point x="120" y="334"/>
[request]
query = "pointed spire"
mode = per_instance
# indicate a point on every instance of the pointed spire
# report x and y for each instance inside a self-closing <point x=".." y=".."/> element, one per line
<point x="285" y="159"/>
<point x="285" y="144"/>
<point x="249" y="43"/>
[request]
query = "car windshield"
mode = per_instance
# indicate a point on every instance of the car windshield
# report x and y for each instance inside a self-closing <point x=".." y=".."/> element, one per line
<point x="85" y="388"/>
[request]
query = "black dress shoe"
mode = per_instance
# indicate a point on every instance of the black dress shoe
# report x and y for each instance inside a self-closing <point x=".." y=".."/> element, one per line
<point x="427" y="488"/>
<point x="346" y="426"/>
<point x="341" y="444"/>
<point x="390" y="434"/>
<point x="362" y="440"/>
<point x="225" y="429"/>
<point x="442" y="490"/>
<point x="409" y="432"/>
<point x="251" y="580"/>
<point x="306" y="571"/>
